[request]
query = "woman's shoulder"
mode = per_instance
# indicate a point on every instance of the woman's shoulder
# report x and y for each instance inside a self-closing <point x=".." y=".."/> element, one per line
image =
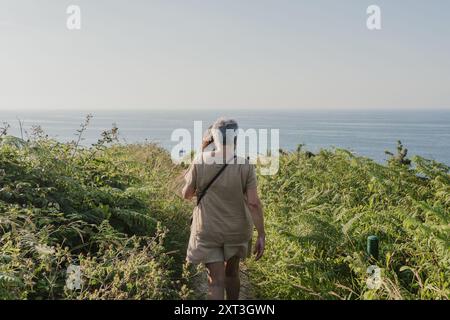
<point x="243" y="160"/>
<point x="204" y="157"/>
<point x="198" y="158"/>
<point x="209" y="157"/>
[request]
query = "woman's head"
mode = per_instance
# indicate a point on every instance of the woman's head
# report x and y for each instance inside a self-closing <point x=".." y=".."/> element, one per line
<point x="224" y="132"/>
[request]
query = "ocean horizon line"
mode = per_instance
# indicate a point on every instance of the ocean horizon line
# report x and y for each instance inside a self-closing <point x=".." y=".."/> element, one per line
<point x="230" y="109"/>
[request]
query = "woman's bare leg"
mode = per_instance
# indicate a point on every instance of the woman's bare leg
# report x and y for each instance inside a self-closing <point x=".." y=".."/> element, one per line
<point x="232" y="280"/>
<point x="216" y="280"/>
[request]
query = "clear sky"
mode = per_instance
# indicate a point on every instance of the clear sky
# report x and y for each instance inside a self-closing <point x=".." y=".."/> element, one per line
<point x="220" y="54"/>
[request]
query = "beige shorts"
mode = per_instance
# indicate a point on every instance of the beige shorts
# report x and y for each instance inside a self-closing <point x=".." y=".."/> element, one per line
<point x="199" y="252"/>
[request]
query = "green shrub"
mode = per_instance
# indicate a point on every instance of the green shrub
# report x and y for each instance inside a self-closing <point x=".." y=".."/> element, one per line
<point x="106" y="209"/>
<point x="324" y="208"/>
<point x="111" y="210"/>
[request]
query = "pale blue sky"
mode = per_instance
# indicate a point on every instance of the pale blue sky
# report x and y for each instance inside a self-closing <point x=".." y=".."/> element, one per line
<point x="224" y="54"/>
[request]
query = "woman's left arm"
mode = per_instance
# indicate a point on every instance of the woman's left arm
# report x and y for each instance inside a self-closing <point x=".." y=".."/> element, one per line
<point x="188" y="192"/>
<point x="189" y="188"/>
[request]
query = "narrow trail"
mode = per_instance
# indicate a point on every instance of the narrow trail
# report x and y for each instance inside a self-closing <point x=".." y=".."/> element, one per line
<point x="247" y="292"/>
<point x="201" y="285"/>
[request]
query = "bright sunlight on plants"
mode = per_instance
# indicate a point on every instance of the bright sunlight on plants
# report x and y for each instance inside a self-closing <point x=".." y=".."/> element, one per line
<point x="111" y="209"/>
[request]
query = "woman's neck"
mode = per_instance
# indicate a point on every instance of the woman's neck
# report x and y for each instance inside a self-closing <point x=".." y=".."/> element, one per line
<point x="226" y="151"/>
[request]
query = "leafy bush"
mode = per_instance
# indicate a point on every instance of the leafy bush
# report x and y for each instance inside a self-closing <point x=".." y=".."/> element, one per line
<point x="327" y="205"/>
<point x="111" y="210"/>
<point x="105" y="208"/>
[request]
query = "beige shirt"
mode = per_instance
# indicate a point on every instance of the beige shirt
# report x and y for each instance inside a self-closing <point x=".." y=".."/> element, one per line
<point x="222" y="216"/>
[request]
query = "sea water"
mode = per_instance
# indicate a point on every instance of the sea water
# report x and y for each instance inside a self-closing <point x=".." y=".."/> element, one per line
<point x="367" y="133"/>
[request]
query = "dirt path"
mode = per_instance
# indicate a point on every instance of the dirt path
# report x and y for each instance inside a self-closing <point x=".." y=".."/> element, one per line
<point x="201" y="285"/>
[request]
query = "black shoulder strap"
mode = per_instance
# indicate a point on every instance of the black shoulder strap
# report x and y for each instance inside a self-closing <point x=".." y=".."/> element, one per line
<point x="202" y="193"/>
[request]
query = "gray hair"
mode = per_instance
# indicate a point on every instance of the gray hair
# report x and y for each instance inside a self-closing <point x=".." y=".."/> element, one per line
<point x="224" y="131"/>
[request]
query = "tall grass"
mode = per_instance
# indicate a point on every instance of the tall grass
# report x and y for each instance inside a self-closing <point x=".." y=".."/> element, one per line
<point x="111" y="209"/>
<point x="320" y="210"/>
<point x="107" y="208"/>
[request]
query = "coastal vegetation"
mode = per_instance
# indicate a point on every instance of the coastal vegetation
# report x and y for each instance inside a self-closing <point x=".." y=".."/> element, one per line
<point x="108" y="209"/>
<point x="325" y="207"/>
<point x="113" y="210"/>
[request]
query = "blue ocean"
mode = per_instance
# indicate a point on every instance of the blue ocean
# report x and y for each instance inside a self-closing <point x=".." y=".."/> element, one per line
<point x="366" y="133"/>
